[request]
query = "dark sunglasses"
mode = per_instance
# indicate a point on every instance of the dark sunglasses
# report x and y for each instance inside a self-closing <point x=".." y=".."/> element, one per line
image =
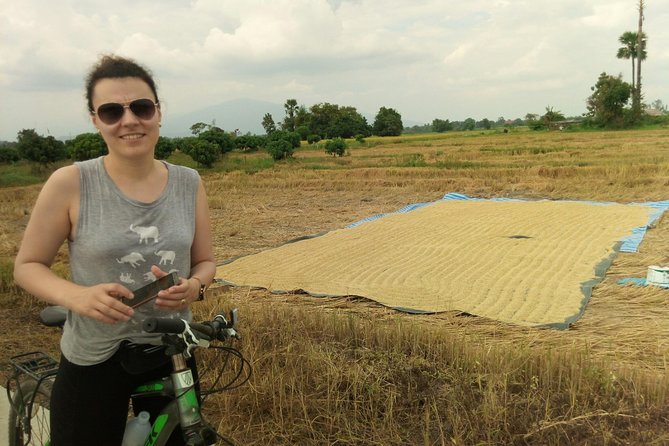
<point x="112" y="112"/>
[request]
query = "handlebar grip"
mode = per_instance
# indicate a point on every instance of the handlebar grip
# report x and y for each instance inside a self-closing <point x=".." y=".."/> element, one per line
<point x="163" y="325"/>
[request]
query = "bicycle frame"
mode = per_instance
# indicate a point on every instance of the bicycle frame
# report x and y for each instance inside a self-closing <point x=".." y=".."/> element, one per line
<point x="182" y="410"/>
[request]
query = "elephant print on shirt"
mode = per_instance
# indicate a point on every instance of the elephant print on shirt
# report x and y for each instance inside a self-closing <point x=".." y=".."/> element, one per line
<point x="148" y="235"/>
<point x="127" y="278"/>
<point x="166" y="256"/>
<point x="145" y="233"/>
<point x="132" y="259"/>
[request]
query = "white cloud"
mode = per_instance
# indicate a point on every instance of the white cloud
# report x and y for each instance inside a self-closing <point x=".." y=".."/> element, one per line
<point x="444" y="58"/>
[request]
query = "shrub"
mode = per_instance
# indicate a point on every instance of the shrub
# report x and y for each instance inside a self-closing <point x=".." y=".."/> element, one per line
<point x="204" y="152"/>
<point x="360" y="138"/>
<point x="250" y="142"/>
<point x="293" y="138"/>
<point x="8" y="154"/>
<point x="280" y="149"/>
<point x="39" y="149"/>
<point x="222" y="139"/>
<point x="336" y="146"/>
<point x="313" y="139"/>
<point x="86" y="146"/>
<point x="164" y="147"/>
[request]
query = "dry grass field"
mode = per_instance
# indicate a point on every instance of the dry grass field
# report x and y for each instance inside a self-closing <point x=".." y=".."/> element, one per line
<point x="347" y="371"/>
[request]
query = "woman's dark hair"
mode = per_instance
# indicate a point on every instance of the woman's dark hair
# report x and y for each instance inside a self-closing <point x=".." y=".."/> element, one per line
<point x="111" y="66"/>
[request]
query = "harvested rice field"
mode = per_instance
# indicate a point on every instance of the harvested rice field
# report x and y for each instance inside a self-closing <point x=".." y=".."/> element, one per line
<point x="348" y="370"/>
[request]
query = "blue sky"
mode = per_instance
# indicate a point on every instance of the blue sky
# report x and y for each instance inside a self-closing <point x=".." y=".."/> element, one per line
<point x="442" y="59"/>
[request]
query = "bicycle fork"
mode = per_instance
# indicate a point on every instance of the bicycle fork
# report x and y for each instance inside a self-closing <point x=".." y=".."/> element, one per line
<point x="195" y="433"/>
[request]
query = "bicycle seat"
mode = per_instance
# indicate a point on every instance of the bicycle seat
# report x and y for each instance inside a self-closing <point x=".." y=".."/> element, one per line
<point x="53" y="316"/>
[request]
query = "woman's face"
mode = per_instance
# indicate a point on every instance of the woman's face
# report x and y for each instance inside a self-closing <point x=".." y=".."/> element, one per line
<point x="130" y="136"/>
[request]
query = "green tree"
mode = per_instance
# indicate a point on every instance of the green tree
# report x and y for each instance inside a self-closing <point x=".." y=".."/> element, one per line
<point x="551" y="116"/>
<point x="606" y="105"/>
<point x="203" y="152"/>
<point x="641" y="46"/>
<point x="184" y="144"/>
<point x="336" y="147"/>
<point x="469" y="124"/>
<point x="8" y="152"/>
<point x="331" y="121"/>
<point x="484" y="124"/>
<point x="86" y="146"/>
<point x="291" y="111"/>
<point x="441" y="125"/>
<point x="198" y="128"/>
<point x="302" y="118"/>
<point x="387" y="122"/>
<point x="164" y="147"/>
<point x="39" y="149"/>
<point x="268" y="124"/>
<point x="303" y="131"/>
<point x="630" y="50"/>
<point x="313" y="139"/>
<point x="280" y="149"/>
<point x="349" y="123"/>
<point x="250" y="142"/>
<point x="293" y="138"/>
<point x="223" y="140"/>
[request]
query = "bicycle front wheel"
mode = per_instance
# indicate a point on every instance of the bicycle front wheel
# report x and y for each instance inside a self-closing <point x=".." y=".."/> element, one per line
<point x="30" y="429"/>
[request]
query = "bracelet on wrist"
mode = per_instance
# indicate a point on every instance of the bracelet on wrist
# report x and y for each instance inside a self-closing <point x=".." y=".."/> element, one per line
<point x="203" y="287"/>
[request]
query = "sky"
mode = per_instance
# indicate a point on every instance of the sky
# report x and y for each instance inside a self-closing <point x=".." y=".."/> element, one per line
<point x="446" y="59"/>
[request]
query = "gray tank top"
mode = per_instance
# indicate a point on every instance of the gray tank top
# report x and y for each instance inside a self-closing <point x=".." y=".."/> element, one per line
<point x="117" y="239"/>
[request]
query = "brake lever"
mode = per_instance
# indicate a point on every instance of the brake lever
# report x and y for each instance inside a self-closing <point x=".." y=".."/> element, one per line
<point x="191" y="340"/>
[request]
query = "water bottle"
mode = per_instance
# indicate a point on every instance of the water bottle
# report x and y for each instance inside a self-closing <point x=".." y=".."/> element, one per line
<point x="136" y="430"/>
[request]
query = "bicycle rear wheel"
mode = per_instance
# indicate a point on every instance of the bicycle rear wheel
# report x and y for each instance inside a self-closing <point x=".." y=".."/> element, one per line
<point x="37" y="433"/>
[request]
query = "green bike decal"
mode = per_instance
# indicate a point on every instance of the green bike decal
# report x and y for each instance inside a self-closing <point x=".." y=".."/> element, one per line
<point x="156" y="429"/>
<point x="191" y="398"/>
<point x="153" y="387"/>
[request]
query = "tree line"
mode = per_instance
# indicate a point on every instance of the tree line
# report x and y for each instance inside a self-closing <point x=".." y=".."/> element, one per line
<point x="209" y="142"/>
<point x="613" y="103"/>
<point x="327" y="121"/>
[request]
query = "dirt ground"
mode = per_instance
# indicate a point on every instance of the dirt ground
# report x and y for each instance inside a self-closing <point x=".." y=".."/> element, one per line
<point x="249" y="213"/>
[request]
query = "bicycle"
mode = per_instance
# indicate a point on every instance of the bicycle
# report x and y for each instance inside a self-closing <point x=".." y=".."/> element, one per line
<point x="30" y="383"/>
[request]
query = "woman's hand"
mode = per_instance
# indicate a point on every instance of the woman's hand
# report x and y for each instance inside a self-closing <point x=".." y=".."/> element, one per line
<point x="178" y="296"/>
<point x="102" y="303"/>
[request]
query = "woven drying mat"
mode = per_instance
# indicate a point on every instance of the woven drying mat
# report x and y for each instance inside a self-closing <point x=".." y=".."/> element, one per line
<point x="521" y="262"/>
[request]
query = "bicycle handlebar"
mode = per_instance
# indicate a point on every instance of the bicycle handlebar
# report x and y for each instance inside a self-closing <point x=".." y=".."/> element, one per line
<point x="219" y="328"/>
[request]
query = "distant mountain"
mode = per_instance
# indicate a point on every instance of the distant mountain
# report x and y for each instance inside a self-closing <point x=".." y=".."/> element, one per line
<point x="242" y="114"/>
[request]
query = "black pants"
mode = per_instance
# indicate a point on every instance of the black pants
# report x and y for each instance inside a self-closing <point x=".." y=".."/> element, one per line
<point x="89" y="404"/>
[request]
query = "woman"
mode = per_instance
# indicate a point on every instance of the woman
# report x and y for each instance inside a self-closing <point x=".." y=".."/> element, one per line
<point x="128" y="219"/>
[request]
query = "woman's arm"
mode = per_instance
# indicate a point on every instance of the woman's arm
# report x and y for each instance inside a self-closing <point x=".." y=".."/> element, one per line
<point x="203" y="264"/>
<point x="50" y="224"/>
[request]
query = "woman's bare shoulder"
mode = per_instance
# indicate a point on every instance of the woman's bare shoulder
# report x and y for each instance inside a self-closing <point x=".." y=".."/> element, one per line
<point x="64" y="179"/>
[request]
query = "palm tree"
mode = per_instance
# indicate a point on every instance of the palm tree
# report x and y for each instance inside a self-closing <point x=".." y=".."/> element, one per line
<point x="629" y="50"/>
<point x="291" y="109"/>
<point x="641" y="46"/>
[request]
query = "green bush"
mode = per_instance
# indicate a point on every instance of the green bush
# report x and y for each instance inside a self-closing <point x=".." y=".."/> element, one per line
<point x="40" y="149"/>
<point x="86" y="146"/>
<point x="280" y="149"/>
<point x="8" y="154"/>
<point x="164" y="147"/>
<point x="222" y="139"/>
<point x="204" y="152"/>
<point x="336" y="146"/>
<point x="250" y="142"/>
<point x="293" y="138"/>
<point x="313" y="139"/>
